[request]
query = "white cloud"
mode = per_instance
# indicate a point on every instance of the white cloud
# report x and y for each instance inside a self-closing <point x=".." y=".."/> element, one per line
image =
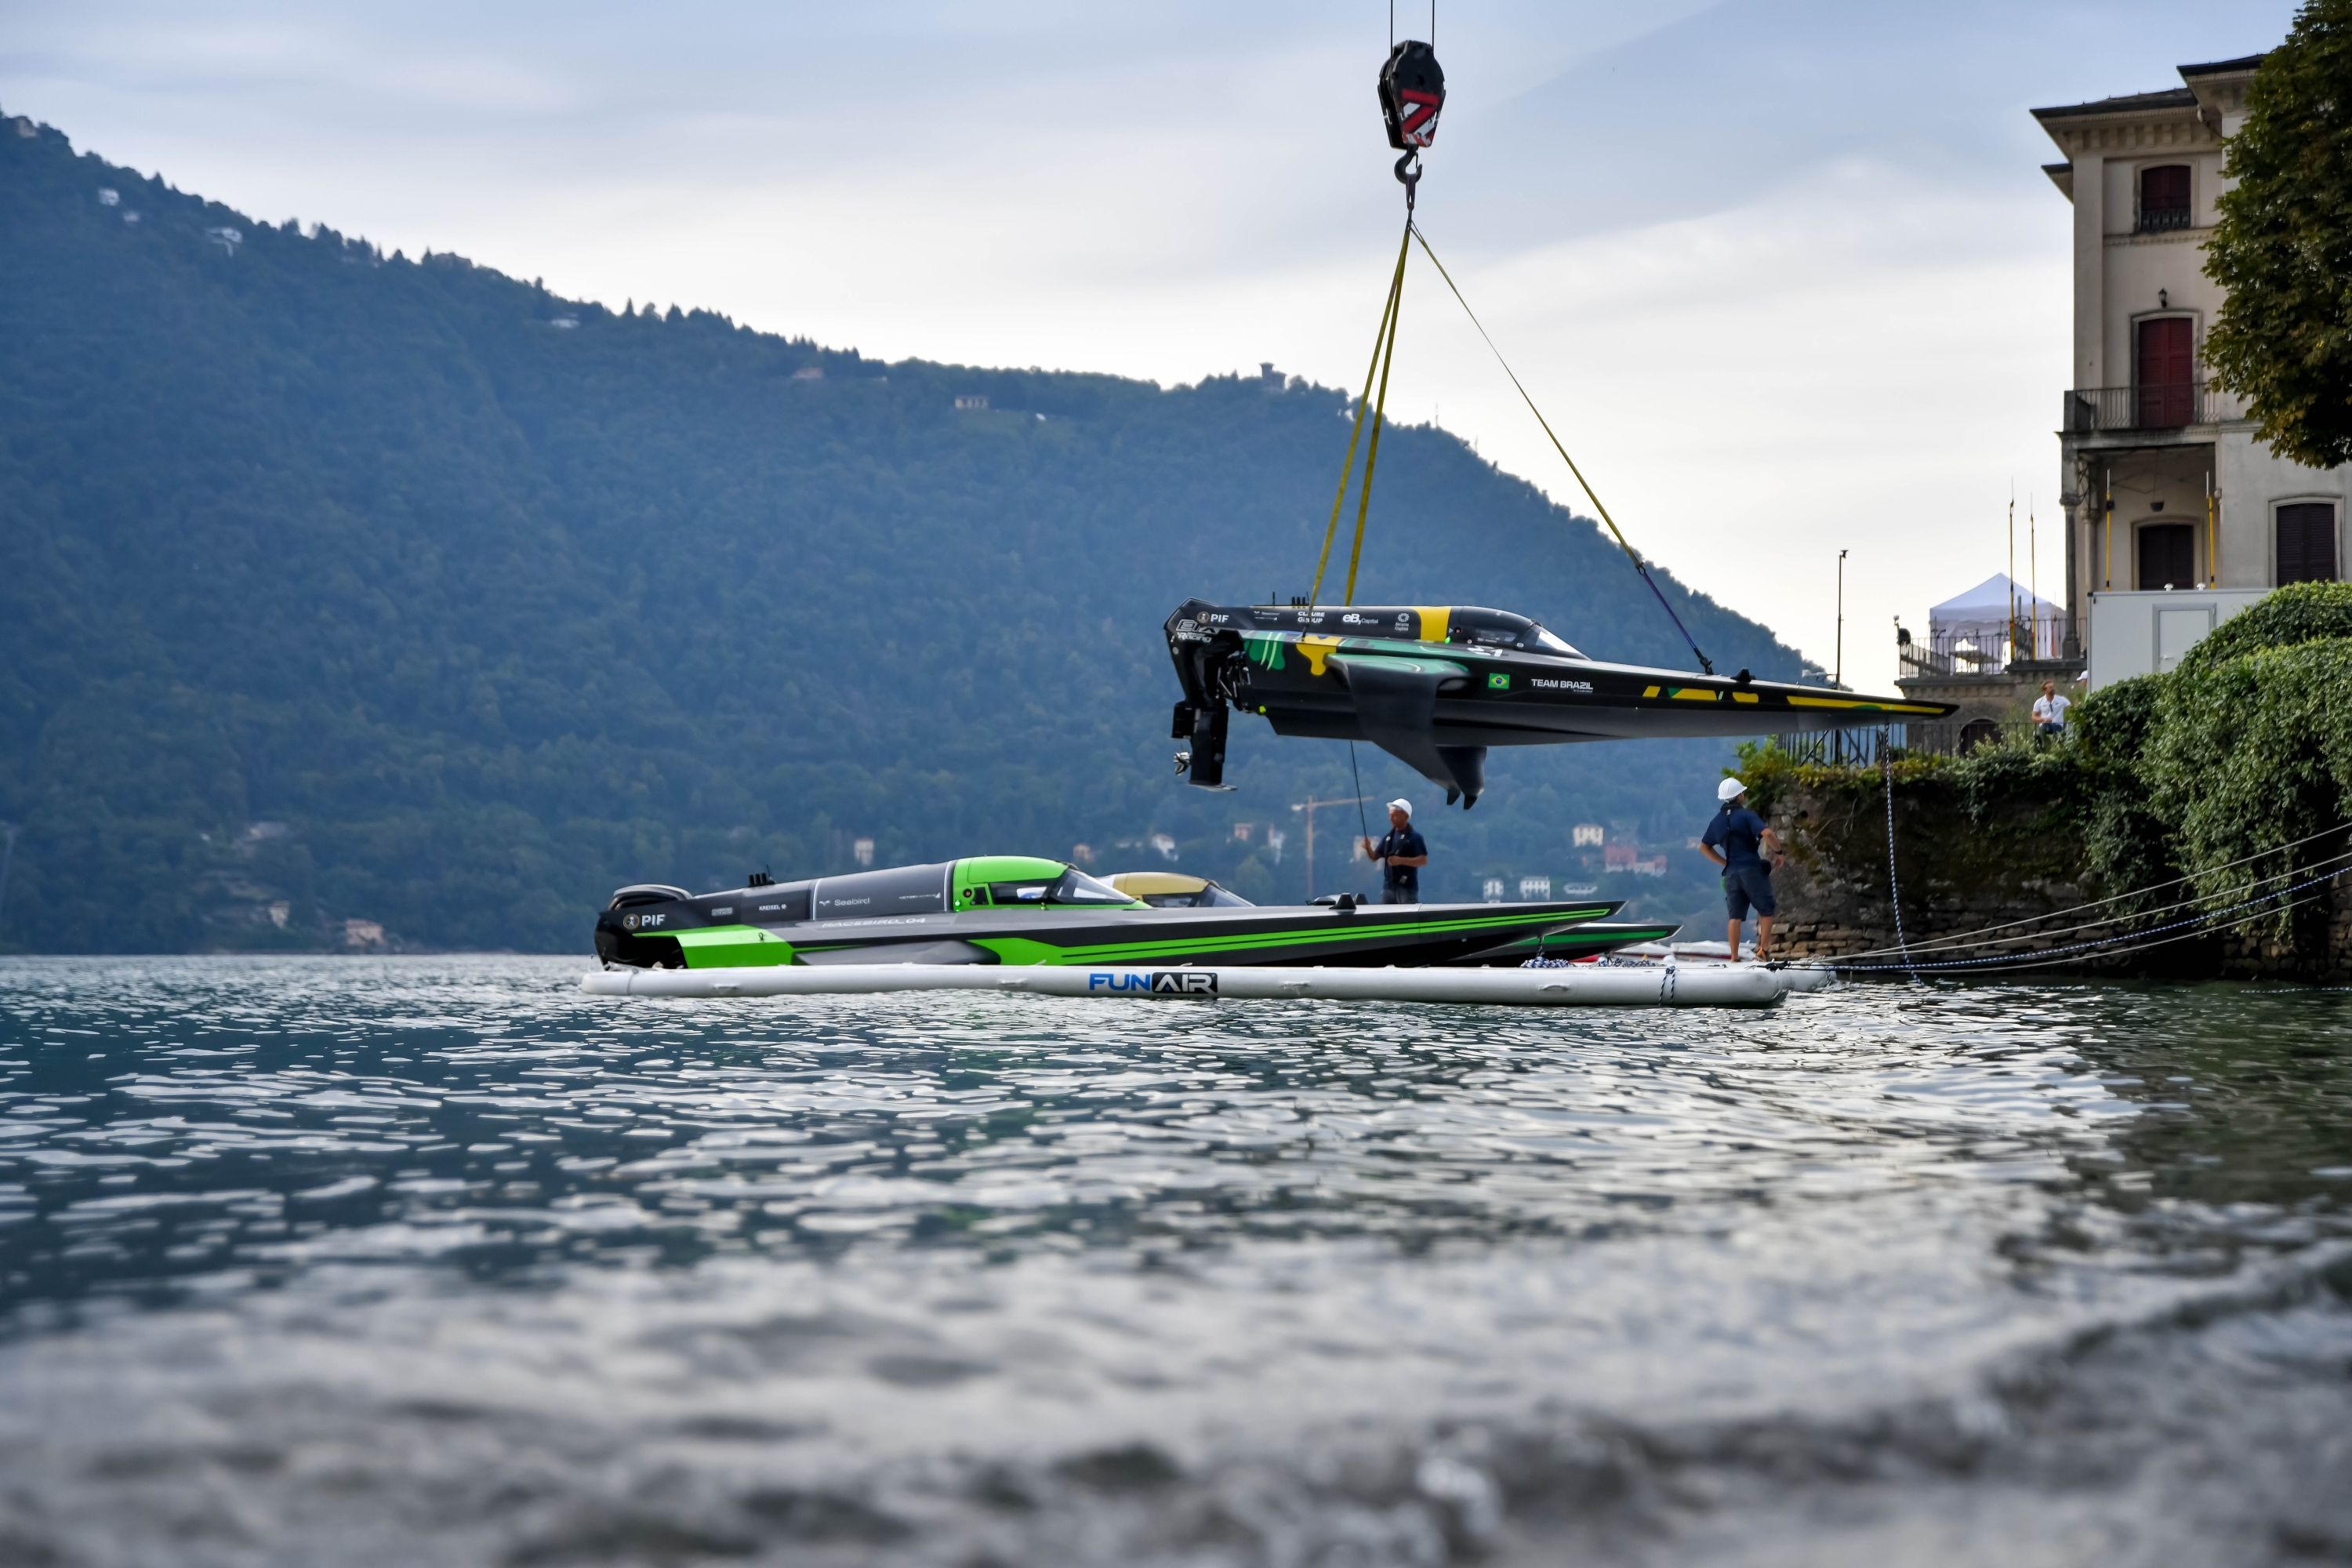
<point x="1784" y="272"/>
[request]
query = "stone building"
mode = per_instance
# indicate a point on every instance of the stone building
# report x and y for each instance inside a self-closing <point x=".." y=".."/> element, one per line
<point x="2167" y="492"/>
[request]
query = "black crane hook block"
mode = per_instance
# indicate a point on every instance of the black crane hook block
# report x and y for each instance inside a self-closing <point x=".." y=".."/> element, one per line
<point x="1413" y="91"/>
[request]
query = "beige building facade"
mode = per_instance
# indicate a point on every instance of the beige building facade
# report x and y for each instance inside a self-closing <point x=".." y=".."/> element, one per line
<point x="2165" y="488"/>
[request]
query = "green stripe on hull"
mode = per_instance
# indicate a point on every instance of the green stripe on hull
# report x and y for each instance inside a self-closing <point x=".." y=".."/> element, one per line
<point x="1025" y="950"/>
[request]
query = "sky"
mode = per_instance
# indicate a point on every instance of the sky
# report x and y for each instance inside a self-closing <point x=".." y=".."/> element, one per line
<point x="1785" y="275"/>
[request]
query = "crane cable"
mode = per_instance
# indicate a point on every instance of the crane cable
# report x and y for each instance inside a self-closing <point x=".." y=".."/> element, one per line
<point x="1384" y="351"/>
<point x="1631" y="554"/>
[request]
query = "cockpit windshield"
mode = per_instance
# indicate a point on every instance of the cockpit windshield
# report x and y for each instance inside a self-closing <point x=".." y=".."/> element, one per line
<point x="1077" y="887"/>
<point x="1541" y="641"/>
<point x="1072" y="886"/>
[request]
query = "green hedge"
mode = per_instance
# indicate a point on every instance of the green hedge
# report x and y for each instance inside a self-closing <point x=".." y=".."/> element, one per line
<point x="2215" y="772"/>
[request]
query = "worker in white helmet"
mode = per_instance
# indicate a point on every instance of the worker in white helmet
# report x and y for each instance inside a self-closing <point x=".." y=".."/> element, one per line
<point x="1738" y="841"/>
<point x="1402" y="853"/>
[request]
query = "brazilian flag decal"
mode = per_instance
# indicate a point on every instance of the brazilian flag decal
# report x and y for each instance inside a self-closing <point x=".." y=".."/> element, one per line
<point x="1499" y="683"/>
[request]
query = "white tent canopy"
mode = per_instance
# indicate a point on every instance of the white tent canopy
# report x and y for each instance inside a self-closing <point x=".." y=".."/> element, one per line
<point x="1982" y="617"/>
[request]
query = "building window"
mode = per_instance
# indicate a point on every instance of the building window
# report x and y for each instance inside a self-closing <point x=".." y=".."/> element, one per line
<point x="2163" y="199"/>
<point x="2306" y="542"/>
<point x="2168" y="555"/>
<point x="2168" y="371"/>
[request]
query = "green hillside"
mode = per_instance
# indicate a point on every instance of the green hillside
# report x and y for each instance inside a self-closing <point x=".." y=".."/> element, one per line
<point x="400" y="590"/>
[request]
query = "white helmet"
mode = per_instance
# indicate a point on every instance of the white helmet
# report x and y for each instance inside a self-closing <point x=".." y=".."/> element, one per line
<point x="1729" y="790"/>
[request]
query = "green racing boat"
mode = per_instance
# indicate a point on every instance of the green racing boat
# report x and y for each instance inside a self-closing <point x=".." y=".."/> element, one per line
<point x="1021" y="910"/>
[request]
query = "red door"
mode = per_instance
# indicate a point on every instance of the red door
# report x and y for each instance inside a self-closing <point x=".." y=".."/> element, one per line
<point x="2168" y="371"/>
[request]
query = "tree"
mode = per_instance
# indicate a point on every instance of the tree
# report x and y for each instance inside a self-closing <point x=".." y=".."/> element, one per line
<point x="2282" y="248"/>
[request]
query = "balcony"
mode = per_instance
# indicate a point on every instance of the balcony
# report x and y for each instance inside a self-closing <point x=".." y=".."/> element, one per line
<point x="2032" y="640"/>
<point x="2162" y="220"/>
<point x="2164" y="405"/>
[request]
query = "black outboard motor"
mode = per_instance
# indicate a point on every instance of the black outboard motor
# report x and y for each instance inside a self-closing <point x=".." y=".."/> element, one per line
<point x="1413" y="91"/>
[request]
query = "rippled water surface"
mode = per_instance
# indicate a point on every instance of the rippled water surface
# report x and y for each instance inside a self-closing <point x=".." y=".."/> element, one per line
<point x="440" y="1261"/>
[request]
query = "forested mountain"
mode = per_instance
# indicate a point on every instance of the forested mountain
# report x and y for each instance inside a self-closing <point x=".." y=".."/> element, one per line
<point x="398" y="590"/>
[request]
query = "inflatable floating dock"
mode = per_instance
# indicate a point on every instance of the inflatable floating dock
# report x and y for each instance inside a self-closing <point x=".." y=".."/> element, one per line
<point x="1576" y="985"/>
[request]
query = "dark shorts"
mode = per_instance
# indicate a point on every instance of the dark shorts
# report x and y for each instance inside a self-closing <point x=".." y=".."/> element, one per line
<point x="1749" y="884"/>
<point x="1400" y="895"/>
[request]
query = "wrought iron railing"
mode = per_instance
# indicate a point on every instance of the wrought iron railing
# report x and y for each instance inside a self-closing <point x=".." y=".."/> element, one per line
<point x="2163" y="220"/>
<point x="1940" y="656"/>
<point x="2151" y="405"/>
<point x="1843" y="748"/>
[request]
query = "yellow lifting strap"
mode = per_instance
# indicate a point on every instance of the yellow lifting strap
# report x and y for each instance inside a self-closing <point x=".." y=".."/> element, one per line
<point x="1383" y="350"/>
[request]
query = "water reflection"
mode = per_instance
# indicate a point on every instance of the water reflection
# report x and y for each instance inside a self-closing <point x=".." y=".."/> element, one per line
<point x="168" y="1119"/>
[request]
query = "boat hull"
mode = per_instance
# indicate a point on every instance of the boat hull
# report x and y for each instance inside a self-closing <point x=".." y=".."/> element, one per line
<point x="688" y="933"/>
<point x="1438" y="685"/>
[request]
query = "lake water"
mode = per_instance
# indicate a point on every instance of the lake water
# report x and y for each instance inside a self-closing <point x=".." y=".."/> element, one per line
<point x="420" y="1261"/>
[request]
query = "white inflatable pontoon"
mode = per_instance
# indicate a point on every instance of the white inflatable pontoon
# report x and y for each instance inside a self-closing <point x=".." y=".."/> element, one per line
<point x="1575" y="986"/>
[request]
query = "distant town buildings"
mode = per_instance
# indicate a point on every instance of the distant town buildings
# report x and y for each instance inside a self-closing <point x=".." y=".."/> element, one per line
<point x="1164" y="845"/>
<point x="970" y="400"/>
<point x="360" y="935"/>
<point x="816" y="372"/>
<point x="1534" y="889"/>
<point x="109" y="198"/>
<point x="861" y="851"/>
<point x="228" y="238"/>
<point x="1494" y="891"/>
<point x="1588" y="832"/>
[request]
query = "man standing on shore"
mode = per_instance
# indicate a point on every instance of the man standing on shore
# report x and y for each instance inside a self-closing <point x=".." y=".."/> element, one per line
<point x="1738" y="841"/>
<point x="1401" y="855"/>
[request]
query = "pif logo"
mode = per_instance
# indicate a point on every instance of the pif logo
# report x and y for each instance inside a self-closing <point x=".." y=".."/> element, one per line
<point x="642" y="923"/>
<point x="1499" y="683"/>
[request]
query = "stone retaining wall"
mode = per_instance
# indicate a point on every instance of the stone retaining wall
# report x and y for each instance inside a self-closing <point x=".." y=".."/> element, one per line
<point x="2021" y="858"/>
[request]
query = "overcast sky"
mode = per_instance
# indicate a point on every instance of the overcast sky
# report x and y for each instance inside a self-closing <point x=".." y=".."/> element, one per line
<point x="1785" y="273"/>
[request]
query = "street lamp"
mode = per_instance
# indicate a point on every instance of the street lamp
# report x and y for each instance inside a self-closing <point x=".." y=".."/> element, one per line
<point x="1310" y="805"/>
<point x="1837" y="675"/>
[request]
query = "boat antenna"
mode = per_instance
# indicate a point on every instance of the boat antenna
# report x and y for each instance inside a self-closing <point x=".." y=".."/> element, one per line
<point x="1414" y="231"/>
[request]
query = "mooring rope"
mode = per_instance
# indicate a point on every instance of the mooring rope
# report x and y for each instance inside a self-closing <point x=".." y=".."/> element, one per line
<point x="1964" y="940"/>
<point x="2044" y="955"/>
<point x="1894" y="887"/>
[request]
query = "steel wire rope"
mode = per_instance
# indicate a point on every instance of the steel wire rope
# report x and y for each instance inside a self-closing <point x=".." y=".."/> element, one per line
<point x="1956" y="945"/>
<point x="1414" y="231"/>
<point x="1894" y="887"/>
<point x="2099" y="942"/>
<point x="2007" y="966"/>
<point x="1364" y="821"/>
<point x="1963" y="940"/>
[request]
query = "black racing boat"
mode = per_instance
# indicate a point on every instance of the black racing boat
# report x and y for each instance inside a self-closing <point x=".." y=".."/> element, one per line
<point x="1013" y="909"/>
<point x="1435" y="686"/>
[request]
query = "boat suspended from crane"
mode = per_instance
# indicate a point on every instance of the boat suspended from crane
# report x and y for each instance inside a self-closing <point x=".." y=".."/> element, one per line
<point x="1436" y="686"/>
